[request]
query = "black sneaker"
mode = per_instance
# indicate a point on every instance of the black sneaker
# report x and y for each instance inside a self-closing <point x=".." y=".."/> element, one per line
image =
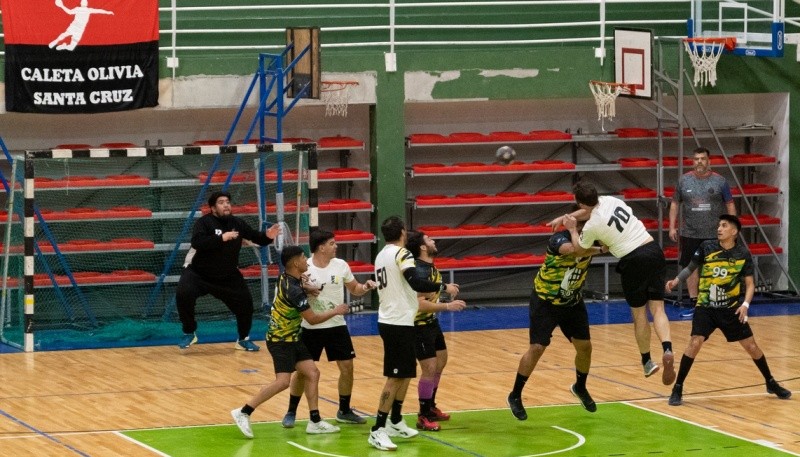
<point x="515" y="403"/>
<point x="676" y="399"/>
<point x="585" y="399"/>
<point x="774" y="388"/>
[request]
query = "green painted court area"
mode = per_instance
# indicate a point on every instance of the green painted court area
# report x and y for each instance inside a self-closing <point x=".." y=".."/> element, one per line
<point x="616" y="429"/>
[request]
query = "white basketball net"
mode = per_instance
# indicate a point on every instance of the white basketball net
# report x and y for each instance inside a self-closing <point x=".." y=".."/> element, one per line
<point x="704" y="60"/>
<point x="336" y="95"/>
<point x="605" y="96"/>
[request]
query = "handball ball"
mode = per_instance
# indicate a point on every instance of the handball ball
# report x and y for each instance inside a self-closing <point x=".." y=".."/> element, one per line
<point x="506" y="155"/>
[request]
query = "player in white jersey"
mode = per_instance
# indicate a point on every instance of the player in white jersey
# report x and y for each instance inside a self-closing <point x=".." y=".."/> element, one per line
<point x="329" y="275"/>
<point x="398" y="285"/>
<point x="641" y="266"/>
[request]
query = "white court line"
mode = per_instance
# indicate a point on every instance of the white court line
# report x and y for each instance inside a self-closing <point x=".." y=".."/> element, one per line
<point x="714" y="429"/>
<point x="581" y="442"/>
<point x="312" y="450"/>
<point x="140" y="444"/>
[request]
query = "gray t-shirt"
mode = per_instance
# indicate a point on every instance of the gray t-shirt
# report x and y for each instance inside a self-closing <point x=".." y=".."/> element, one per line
<point x="702" y="201"/>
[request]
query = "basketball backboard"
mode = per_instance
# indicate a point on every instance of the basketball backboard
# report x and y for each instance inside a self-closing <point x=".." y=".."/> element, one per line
<point x="633" y="60"/>
<point x="757" y="25"/>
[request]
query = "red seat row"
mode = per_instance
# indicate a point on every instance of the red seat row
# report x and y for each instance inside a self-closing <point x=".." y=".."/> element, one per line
<point x="672" y="252"/>
<point x="508" y="228"/>
<point x="500" y="198"/>
<point x="494" y="137"/>
<point x="91" y="181"/>
<point x="485" y="261"/>
<point x="334" y="205"/>
<point x="480" y="167"/>
<point x="333" y="174"/>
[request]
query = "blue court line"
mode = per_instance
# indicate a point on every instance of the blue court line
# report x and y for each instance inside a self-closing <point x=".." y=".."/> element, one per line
<point x="43" y="434"/>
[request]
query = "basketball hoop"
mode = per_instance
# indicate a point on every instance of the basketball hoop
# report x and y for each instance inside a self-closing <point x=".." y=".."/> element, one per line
<point x="336" y="95"/>
<point x="705" y="53"/>
<point x="605" y="97"/>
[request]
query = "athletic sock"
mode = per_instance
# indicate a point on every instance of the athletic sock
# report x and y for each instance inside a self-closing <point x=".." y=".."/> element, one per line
<point x="666" y="345"/>
<point x="763" y="367"/>
<point x="314" y="415"/>
<point x="380" y="420"/>
<point x="247" y="409"/>
<point x="683" y="370"/>
<point x="397" y="411"/>
<point x="580" y="380"/>
<point x="294" y="400"/>
<point x="645" y="357"/>
<point x="344" y="403"/>
<point x="519" y="384"/>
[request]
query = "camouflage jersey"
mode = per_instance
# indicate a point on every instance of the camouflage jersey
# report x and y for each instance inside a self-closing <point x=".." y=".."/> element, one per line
<point x="722" y="273"/>
<point x="561" y="277"/>
<point x="428" y="271"/>
<point x="290" y="301"/>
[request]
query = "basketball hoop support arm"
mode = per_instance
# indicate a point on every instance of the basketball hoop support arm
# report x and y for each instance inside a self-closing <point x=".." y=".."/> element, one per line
<point x="600" y="53"/>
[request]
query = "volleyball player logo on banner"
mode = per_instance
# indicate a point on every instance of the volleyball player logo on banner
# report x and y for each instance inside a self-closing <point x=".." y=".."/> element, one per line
<point x="80" y="56"/>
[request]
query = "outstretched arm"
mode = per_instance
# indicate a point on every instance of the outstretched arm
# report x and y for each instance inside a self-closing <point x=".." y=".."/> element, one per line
<point x="99" y="11"/>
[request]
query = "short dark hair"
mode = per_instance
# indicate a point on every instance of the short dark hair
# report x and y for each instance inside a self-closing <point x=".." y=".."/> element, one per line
<point x="701" y="150"/>
<point x="585" y="193"/>
<point x="212" y="199"/>
<point x="290" y="252"/>
<point x="415" y="241"/>
<point x="317" y="238"/>
<point x="733" y="220"/>
<point x="392" y="228"/>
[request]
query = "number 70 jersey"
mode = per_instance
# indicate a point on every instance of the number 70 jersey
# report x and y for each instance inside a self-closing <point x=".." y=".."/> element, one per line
<point x="613" y="223"/>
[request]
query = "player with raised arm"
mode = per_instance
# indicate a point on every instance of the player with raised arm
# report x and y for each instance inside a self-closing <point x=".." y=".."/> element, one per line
<point x="330" y="276"/>
<point x="557" y="301"/>
<point x="641" y="265"/>
<point x="398" y="285"/>
<point x="725" y="265"/>
<point x="431" y="349"/>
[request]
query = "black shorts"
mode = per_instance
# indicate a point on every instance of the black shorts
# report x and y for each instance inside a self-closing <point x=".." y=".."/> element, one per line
<point x="545" y="317"/>
<point x="429" y="340"/>
<point x="286" y="355"/>
<point x="688" y="248"/>
<point x="335" y="340"/>
<point x="706" y="320"/>
<point x="399" y="359"/>
<point x="643" y="272"/>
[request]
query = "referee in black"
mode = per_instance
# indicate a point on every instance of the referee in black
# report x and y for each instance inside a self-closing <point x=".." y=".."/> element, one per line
<point x="214" y="269"/>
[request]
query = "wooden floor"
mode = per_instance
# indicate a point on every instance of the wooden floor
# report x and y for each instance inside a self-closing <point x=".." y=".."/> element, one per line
<point x="70" y="403"/>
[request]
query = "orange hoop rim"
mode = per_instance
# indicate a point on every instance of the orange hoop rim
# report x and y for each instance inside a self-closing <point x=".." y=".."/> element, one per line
<point x="332" y="86"/>
<point x="630" y="87"/>
<point x="728" y="42"/>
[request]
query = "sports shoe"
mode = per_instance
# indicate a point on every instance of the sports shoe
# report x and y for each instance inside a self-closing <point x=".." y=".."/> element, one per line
<point x="585" y="399"/>
<point x="400" y="429"/>
<point x="246" y="345"/>
<point x="427" y="424"/>
<point x="676" y="398"/>
<point x="288" y="420"/>
<point x="438" y="415"/>
<point x="515" y="403"/>
<point x="349" y="418"/>
<point x="774" y="388"/>
<point x="688" y="314"/>
<point x="318" y="428"/>
<point x="668" y="375"/>
<point x="187" y="340"/>
<point x="649" y="368"/>
<point x="242" y="421"/>
<point x="380" y="440"/>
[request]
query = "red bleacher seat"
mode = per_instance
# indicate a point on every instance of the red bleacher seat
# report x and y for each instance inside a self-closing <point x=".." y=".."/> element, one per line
<point x="208" y="143"/>
<point x="549" y="135"/>
<point x="427" y="138"/>
<point x="634" y="162"/>
<point x="634" y="132"/>
<point x="74" y="146"/>
<point x="468" y="137"/>
<point x="509" y="136"/>
<point x="338" y="141"/>
<point x="119" y="145"/>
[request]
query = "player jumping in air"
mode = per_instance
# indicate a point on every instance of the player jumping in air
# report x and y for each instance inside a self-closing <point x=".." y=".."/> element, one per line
<point x="72" y="36"/>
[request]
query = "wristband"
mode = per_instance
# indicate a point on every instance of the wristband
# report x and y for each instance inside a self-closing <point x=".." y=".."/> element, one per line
<point x="745" y="304"/>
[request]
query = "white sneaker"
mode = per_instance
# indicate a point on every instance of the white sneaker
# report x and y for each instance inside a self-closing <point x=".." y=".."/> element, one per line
<point x="316" y="428"/>
<point x="242" y="421"/>
<point x="400" y="429"/>
<point x="380" y="439"/>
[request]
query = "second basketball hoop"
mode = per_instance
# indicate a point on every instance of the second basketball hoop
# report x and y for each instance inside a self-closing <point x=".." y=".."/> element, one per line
<point x="336" y="95"/>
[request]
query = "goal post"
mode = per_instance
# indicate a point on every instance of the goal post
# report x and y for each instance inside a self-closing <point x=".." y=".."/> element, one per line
<point x="105" y="236"/>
